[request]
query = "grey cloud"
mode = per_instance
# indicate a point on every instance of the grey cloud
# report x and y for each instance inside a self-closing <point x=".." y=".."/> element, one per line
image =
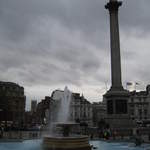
<point x="18" y="15"/>
<point x="53" y="42"/>
<point x="135" y="15"/>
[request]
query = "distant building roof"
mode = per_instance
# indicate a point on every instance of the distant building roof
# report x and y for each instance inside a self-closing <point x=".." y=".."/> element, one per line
<point x="2" y="83"/>
<point x="140" y="93"/>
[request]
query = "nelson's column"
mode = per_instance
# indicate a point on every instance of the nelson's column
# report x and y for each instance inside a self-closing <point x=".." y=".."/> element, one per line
<point x="117" y="97"/>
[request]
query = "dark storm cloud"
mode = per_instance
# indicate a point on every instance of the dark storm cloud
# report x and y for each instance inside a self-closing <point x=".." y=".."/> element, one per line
<point x="135" y="15"/>
<point x="18" y="15"/>
<point x="53" y="42"/>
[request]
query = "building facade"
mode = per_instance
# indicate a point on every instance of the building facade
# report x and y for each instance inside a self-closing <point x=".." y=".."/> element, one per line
<point x="33" y="106"/>
<point x="139" y="105"/>
<point x="99" y="112"/>
<point x="41" y="111"/>
<point x="80" y="108"/>
<point x="12" y="104"/>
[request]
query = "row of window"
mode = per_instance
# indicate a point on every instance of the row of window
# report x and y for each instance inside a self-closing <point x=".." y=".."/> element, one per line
<point x="9" y="93"/>
<point x="11" y="88"/>
<point x="140" y="112"/>
<point x="83" y="114"/>
<point x="139" y="99"/>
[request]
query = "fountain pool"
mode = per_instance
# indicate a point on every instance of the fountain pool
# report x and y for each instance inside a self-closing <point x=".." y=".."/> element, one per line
<point x="101" y="145"/>
<point x="63" y="140"/>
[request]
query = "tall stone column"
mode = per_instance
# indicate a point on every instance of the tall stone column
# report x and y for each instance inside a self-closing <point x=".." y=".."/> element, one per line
<point x="117" y="97"/>
<point x="113" y="7"/>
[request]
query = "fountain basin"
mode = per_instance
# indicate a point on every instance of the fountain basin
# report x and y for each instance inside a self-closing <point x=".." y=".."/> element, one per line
<point x="66" y="143"/>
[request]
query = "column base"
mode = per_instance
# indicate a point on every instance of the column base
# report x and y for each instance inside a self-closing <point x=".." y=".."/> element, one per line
<point x="117" y="108"/>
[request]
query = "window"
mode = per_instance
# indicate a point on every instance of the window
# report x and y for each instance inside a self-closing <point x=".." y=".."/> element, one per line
<point x="121" y="106"/>
<point x="76" y="114"/>
<point x="110" y="107"/>
<point x="145" y="112"/>
<point x="132" y="111"/>
<point x="140" y="112"/>
<point x="132" y="99"/>
<point x="131" y="105"/>
<point x="140" y="99"/>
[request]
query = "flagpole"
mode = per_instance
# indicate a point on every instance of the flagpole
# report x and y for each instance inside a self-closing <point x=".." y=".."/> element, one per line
<point x="135" y="87"/>
<point x="136" y="83"/>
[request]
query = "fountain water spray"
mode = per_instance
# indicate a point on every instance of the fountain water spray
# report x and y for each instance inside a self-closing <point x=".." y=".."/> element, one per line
<point x="60" y="109"/>
<point x="64" y="108"/>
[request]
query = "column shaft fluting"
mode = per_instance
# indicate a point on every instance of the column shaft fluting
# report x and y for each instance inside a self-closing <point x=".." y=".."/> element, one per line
<point x="115" y="45"/>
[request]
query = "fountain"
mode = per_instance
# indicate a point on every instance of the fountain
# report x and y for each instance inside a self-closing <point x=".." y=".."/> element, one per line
<point x="63" y="140"/>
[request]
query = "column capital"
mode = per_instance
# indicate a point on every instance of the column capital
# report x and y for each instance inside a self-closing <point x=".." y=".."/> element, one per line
<point x="113" y="5"/>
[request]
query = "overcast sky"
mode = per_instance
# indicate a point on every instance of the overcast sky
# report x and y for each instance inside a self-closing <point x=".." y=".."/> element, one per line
<point x="47" y="44"/>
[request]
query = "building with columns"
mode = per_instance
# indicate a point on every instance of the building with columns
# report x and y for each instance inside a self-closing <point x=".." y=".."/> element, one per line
<point x="99" y="112"/>
<point x="139" y="105"/>
<point x="33" y="106"/>
<point x="41" y="110"/>
<point x="12" y="104"/>
<point x="81" y="109"/>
